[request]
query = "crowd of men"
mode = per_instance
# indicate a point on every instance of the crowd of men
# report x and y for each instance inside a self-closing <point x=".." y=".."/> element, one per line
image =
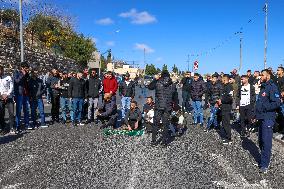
<point x="248" y="100"/>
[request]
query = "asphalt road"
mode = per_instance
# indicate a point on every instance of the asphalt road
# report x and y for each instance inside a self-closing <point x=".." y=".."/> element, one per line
<point x="65" y="157"/>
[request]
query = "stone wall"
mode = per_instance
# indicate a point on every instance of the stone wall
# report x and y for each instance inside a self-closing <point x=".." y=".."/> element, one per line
<point x="37" y="58"/>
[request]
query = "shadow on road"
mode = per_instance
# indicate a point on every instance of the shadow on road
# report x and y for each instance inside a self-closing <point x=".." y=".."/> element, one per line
<point x="250" y="146"/>
<point x="9" y="138"/>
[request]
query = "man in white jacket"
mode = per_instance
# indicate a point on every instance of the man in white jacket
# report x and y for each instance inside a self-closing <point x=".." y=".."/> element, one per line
<point x="6" y="100"/>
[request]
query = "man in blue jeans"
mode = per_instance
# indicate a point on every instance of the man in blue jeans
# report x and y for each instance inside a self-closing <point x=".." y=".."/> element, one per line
<point x="266" y="106"/>
<point x="36" y="88"/>
<point x="127" y="92"/>
<point x="21" y="91"/>
<point x="64" y="100"/>
<point x="77" y="91"/>
<point x="197" y="91"/>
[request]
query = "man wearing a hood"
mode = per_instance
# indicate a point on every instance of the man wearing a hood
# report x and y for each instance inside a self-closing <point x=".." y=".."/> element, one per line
<point x="166" y="97"/>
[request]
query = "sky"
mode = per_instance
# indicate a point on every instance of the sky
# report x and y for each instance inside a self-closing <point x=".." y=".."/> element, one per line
<point x="175" y="31"/>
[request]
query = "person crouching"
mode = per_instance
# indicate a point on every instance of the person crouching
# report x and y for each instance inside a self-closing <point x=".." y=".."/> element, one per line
<point x="133" y="117"/>
<point x="107" y="112"/>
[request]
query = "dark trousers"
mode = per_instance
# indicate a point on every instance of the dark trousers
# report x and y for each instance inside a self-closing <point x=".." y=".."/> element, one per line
<point x="108" y="121"/>
<point x="55" y="101"/>
<point x="226" y="116"/>
<point x="185" y="101"/>
<point x="163" y="115"/>
<point x="10" y="106"/>
<point x="245" y="117"/>
<point x="265" y="135"/>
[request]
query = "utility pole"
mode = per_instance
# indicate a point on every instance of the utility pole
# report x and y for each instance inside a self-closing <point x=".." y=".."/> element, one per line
<point x="265" y="35"/>
<point x="188" y="62"/>
<point x="241" y="54"/>
<point x="144" y="51"/>
<point x="21" y="30"/>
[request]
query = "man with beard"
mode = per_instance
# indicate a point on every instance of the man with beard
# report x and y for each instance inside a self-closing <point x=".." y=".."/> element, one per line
<point x="266" y="106"/>
<point x="127" y="92"/>
<point x="165" y="96"/>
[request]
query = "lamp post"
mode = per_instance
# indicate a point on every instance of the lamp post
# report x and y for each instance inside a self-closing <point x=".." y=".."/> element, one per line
<point x="21" y="30"/>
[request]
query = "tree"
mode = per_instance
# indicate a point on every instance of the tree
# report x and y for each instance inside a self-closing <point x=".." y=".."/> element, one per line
<point x="103" y="64"/>
<point x="165" y="67"/>
<point x="175" y="69"/>
<point x="150" y="70"/>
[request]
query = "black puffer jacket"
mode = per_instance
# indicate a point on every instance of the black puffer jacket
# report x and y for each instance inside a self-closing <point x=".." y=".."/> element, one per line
<point x="127" y="90"/>
<point x="36" y="88"/>
<point x="227" y="94"/>
<point x="166" y="93"/>
<point x="214" y="92"/>
<point x="77" y="88"/>
<point x="93" y="85"/>
<point x="186" y="83"/>
<point x="197" y="90"/>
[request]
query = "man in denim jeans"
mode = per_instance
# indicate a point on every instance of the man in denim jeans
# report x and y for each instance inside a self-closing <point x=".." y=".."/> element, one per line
<point x="214" y="94"/>
<point x="77" y="92"/>
<point x="21" y="92"/>
<point x="197" y="91"/>
<point x="36" y="89"/>
<point x="127" y="92"/>
<point x="64" y="100"/>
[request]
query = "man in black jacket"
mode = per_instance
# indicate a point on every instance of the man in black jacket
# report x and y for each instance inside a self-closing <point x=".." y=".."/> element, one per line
<point x="133" y="118"/>
<point x="246" y="104"/>
<point x="226" y="108"/>
<point x="64" y="99"/>
<point x="280" y="78"/>
<point x="166" y="97"/>
<point x="93" y="85"/>
<point x="186" y="84"/>
<point x="213" y="94"/>
<point x="107" y="112"/>
<point x="77" y="92"/>
<point x="36" y="89"/>
<point x="197" y="92"/>
<point x="53" y="82"/>
<point x="127" y="92"/>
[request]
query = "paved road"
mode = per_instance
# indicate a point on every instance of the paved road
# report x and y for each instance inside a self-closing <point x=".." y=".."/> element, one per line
<point x="64" y="157"/>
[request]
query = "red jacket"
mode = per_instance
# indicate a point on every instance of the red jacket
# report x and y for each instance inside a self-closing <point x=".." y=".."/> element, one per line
<point x="110" y="85"/>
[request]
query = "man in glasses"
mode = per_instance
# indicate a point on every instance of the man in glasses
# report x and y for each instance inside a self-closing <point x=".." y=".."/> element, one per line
<point x="266" y="106"/>
<point x="245" y="104"/>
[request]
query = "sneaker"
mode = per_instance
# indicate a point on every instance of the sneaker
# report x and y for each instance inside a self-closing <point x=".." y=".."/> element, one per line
<point x="227" y="142"/>
<point x="43" y="126"/>
<point x="73" y="124"/>
<point x="30" y="128"/>
<point x="263" y="170"/>
<point x="81" y="124"/>
<point x="206" y="130"/>
<point x="12" y="132"/>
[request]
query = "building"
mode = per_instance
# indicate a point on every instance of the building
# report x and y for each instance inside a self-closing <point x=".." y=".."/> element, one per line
<point x="123" y="69"/>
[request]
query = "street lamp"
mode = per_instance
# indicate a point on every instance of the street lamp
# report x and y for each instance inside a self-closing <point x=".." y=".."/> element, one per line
<point x="21" y="30"/>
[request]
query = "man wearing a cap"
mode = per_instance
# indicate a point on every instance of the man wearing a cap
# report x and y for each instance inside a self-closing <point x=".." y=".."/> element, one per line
<point x="127" y="92"/>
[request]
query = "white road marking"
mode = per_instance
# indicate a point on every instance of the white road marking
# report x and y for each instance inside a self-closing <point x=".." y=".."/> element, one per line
<point x="239" y="180"/>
